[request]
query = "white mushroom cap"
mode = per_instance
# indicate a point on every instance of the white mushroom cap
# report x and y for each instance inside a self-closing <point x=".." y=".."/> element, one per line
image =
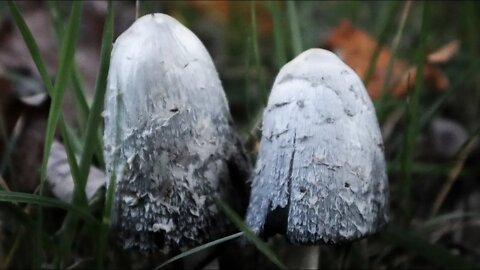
<point x="320" y="174"/>
<point x="167" y="118"/>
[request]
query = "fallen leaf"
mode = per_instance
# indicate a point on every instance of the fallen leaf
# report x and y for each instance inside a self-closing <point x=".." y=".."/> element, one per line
<point x="218" y="10"/>
<point x="356" y="48"/>
<point x="445" y="53"/>
<point x="223" y="11"/>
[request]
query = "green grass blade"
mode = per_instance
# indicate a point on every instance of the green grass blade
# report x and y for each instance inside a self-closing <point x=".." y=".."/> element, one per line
<point x="15" y="212"/>
<point x="31" y="45"/>
<point x="396" y="41"/>
<point x="80" y="99"/>
<point x="64" y="68"/>
<point x="471" y="23"/>
<point x="72" y="162"/>
<point x="294" y="28"/>
<point x="385" y="24"/>
<point x="435" y="107"/>
<point x="81" y="104"/>
<point x="104" y="229"/>
<point x="261" y="245"/>
<point x="93" y="123"/>
<point x="55" y="92"/>
<point x="278" y="38"/>
<point x="94" y="118"/>
<point x="20" y="197"/>
<point x="199" y="248"/>
<point x="256" y="54"/>
<point x="9" y="143"/>
<point x="248" y="81"/>
<point x="432" y="252"/>
<point x="35" y="53"/>
<point x="65" y="65"/>
<point x="410" y="134"/>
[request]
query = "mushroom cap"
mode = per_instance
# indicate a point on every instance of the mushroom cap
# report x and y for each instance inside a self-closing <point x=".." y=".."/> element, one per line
<point x="167" y="122"/>
<point x="320" y="175"/>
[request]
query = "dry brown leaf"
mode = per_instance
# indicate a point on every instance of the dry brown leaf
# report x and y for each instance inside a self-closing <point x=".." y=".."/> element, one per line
<point x="222" y="11"/>
<point x="445" y="53"/>
<point x="218" y="10"/>
<point x="356" y="48"/>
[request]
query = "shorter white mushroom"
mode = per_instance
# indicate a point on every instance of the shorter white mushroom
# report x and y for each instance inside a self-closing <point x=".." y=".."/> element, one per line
<point x="320" y="174"/>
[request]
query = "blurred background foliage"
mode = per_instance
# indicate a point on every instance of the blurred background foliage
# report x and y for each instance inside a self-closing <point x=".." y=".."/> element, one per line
<point x="419" y="60"/>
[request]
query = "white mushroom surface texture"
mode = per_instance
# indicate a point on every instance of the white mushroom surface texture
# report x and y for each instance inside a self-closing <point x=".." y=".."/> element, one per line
<point x="320" y="175"/>
<point x="169" y="140"/>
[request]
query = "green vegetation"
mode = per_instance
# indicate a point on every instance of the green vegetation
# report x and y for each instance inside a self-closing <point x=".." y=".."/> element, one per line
<point x="258" y="38"/>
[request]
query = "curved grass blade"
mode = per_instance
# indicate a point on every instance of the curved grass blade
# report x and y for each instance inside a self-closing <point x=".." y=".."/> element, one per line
<point x="67" y="53"/>
<point x="72" y="162"/>
<point x="56" y="92"/>
<point x="77" y="85"/>
<point x="65" y="65"/>
<point x="381" y="104"/>
<point x="261" y="245"/>
<point x="94" y="118"/>
<point x="81" y="102"/>
<point x="31" y="45"/>
<point x="20" y="197"/>
<point x="385" y="24"/>
<point x="412" y="121"/>
<point x="107" y="213"/>
<point x="199" y="248"/>
<point x="17" y="213"/>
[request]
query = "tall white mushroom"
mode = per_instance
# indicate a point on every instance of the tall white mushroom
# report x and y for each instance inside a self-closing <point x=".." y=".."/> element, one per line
<point x="167" y="122"/>
<point x="320" y="174"/>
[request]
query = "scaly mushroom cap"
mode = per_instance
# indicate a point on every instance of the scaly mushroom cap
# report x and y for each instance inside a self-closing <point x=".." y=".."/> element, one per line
<point x="320" y="174"/>
<point x="167" y="119"/>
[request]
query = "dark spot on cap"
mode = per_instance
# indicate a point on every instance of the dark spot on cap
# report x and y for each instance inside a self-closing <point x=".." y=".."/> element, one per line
<point x="330" y="120"/>
<point x="300" y="103"/>
<point x="347" y="185"/>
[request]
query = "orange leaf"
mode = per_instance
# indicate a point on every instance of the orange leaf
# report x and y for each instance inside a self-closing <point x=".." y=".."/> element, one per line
<point x="356" y="48"/>
<point x="221" y="11"/>
<point x="218" y="10"/>
<point x="445" y="53"/>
